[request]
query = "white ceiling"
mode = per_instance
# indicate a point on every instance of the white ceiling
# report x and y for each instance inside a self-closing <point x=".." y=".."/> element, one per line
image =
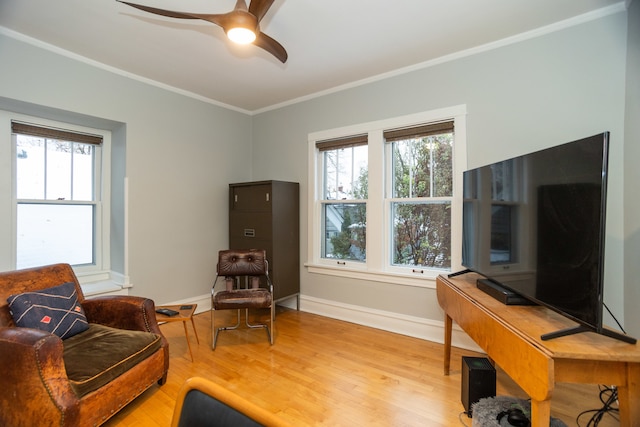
<point x="331" y="43"/>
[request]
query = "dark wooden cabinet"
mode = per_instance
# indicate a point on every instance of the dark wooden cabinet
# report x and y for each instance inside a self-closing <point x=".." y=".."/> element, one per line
<point x="266" y="215"/>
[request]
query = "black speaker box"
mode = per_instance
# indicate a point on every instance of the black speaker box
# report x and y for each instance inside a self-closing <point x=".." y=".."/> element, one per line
<point x="478" y="381"/>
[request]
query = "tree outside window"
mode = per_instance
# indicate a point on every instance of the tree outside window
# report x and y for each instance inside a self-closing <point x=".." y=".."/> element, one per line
<point x="386" y="205"/>
<point x="422" y="189"/>
<point x="344" y="200"/>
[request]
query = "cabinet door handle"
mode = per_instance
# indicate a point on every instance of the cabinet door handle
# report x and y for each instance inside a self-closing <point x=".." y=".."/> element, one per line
<point x="267" y="196"/>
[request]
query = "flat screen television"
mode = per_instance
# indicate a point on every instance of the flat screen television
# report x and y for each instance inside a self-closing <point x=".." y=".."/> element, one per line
<point x="535" y="226"/>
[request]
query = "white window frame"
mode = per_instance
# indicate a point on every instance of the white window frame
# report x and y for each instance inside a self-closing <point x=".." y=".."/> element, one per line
<point x="378" y="263"/>
<point x="100" y="270"/>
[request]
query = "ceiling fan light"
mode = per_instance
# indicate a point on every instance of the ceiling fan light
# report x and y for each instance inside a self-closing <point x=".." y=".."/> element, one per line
<point x="241" y="35"/>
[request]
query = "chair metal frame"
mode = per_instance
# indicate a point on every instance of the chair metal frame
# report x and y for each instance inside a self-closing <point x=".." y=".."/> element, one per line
<point x="236" y="264"/>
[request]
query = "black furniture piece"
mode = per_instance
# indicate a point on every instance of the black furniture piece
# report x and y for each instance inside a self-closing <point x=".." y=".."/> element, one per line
<point x="478" y="381"/>
<point x="266" y="214"/>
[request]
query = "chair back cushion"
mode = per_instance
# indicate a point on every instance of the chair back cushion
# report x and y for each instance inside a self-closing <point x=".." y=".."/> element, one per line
<point x="33" y="279"/>
<point x="242" y="262"/>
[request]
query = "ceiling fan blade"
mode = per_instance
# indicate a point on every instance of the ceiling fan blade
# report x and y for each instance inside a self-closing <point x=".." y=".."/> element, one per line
<point x="259" y="8"/>
<point x="213" y="18"/>
<point x="273" y="47"/>
<point x="240" y="5"/>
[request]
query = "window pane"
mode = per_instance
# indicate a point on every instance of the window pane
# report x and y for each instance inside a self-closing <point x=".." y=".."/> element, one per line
<point x="30" y="167"/>
<point x="58" y="170"/>
<point x="442" y="148"/>
<point x="345" y="173"/>
<point x="54" y="233"/>
<point x="422" y="167"/>
<point x="422" y="234"/>
<point x="83" y="155"/>
<point x="345" y="228"/>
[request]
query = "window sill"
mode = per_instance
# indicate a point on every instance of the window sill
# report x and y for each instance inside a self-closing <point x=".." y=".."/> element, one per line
<point x="106" y="287"/>
<point x="103" y="283"/>
<point x="423" y="280"/>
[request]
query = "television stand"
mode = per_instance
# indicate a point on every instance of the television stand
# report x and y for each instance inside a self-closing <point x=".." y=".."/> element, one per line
<point x="510" y="335"/>
<point x="581" y="328"/>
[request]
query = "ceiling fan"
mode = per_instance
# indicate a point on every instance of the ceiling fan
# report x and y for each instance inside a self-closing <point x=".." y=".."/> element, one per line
<point x="242" y="24"/>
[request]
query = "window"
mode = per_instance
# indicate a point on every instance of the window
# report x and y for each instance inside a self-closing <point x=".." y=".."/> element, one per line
<point x="421" y="181"/>
<point x="59" y="191"/>
<point x="387" y="198"/>
<point x="344" y="197"/>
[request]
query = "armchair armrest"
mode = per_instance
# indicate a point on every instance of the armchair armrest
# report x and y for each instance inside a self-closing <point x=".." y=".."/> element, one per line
<point x="122" y="312"/>
<point x="34" y="372"/>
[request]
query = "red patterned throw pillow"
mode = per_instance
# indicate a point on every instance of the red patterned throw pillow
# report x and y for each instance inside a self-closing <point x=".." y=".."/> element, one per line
<point x="54" y="310"/>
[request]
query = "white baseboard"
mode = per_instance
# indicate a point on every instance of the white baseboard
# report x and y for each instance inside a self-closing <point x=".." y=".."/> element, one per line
<point x="417" y="327"/>
<point x="203" y="301"/>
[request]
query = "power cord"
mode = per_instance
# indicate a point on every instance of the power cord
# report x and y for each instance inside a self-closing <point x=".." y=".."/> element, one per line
<point x="614" y="318"/>
<point x="609" y="398"/>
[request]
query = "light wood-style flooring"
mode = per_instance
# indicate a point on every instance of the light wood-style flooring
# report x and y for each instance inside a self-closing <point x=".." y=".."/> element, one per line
<point x="326" y="372"/>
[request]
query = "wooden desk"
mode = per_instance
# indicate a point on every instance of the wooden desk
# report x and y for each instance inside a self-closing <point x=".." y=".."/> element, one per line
<point x="185" y="314"/>
<point x="510" y="335"/>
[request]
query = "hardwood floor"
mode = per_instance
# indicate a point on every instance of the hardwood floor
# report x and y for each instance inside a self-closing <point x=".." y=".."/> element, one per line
<point x="326" y="372"/>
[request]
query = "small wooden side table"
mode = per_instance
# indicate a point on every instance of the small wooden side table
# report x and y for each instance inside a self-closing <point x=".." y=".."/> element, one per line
<point x="185" y="313"/>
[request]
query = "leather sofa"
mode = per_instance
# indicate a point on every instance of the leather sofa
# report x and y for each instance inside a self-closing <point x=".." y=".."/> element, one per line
<point x="80" y="380"/>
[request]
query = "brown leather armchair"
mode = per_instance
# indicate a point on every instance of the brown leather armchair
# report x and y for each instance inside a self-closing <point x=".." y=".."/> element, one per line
<point x="252" y="266"/>
<point x="85" y="379"/>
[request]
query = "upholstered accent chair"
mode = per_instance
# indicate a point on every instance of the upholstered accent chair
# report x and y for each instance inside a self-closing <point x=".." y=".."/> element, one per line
<point x="247" y="286"/>
<point x="66" y="360"/>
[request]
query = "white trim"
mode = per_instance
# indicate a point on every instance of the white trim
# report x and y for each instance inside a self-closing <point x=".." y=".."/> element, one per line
<point x="58" y="50"/>
<point x="94" y="289"/>
<point x="538" y="32"/>
<point x="102" y="202"/>
<point x="417" y="327"/>
<point x="376" y="267"/>
<point x="122" y="280"/>
<point x="425" y="280"/>
<point x="203" y="301"/>
<point x="548" y="29"/>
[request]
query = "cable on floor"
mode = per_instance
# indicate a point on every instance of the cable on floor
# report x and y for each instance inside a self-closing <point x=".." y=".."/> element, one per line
<point x="609" y="398"/>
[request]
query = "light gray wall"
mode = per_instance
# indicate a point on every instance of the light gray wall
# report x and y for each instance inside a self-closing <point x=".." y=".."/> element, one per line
<point x="522" y="97"/>
<point x="632" y="175"/>
<point x="179" y="155"/>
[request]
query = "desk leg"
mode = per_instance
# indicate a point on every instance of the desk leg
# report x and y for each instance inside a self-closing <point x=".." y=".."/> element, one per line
<point x="447" y="343"/>
<point x="629" y="396"/>
<point x="540" y="413"/>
